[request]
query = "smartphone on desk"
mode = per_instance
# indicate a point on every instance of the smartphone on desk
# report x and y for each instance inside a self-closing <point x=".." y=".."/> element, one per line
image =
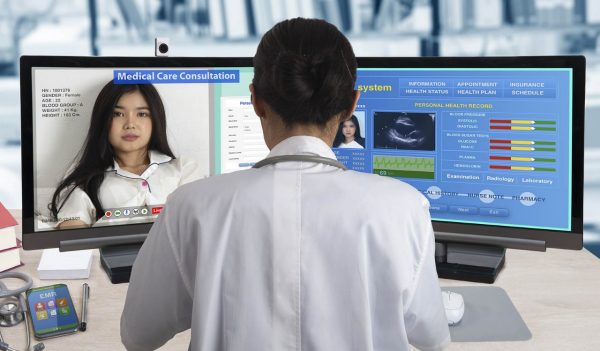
<point x="52" y="312"/>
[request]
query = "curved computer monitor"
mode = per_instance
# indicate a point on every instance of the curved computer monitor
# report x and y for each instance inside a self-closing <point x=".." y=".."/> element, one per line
<point x="73" y="119"/>
<point x="494" y="143"/>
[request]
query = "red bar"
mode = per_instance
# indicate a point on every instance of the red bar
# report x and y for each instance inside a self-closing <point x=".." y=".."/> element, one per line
<point x="496" y="141"/>
<point x="507" y="158"/>
<point x="156" y="210"/>
<point x="499" y="167"/>
<point x="500" y="127"/>
<point x="496" y="147"/>
<point x="500" y="121"/>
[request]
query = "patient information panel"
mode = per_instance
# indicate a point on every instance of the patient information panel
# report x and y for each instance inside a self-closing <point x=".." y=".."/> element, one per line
<point x="487" y="146"/>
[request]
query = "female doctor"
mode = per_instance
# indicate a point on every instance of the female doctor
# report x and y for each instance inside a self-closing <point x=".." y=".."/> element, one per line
<point x="265" y="259"/>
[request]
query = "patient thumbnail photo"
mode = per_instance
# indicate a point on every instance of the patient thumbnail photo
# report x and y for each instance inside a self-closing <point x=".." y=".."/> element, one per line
<point x="404" y="130"/>
<point x="351" y="133"/>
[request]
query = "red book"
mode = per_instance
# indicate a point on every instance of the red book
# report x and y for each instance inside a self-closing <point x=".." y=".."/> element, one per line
<point x="9" y="258"/>
<point x="8" y="235"/>
<point x="6" y="220"/>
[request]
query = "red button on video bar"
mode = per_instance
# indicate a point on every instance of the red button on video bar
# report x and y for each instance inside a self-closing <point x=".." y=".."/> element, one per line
<point x="156" y="210"/>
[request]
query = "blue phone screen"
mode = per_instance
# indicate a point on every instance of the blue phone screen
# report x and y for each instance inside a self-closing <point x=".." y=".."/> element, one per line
<point x="51" y="309"/>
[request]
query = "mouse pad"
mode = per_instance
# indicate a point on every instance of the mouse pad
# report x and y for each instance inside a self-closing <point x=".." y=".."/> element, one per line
<point x="489" y="316"/>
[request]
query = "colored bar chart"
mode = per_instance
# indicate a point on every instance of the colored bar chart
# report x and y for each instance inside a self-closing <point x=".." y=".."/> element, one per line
<point x="522" y="124"/>
<point x="522" y="128"/>
<point x="521" y="148"/>
<point x="523" y="168"/>
<point x="522" y="159"/>
<point x="518" y="145"/>
<point x="521" y="142"/>
<point x="520" y="121"/>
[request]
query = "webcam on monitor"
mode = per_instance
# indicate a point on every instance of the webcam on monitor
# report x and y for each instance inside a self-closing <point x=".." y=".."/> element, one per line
<point x="161" y="47"/>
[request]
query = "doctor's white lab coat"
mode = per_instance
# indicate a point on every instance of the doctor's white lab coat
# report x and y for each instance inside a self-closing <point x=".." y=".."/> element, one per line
<point x="292" y="256"/>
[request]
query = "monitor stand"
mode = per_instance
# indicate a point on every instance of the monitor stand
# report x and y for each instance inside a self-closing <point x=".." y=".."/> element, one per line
<point x="117" y="261"/>
<point x="117" y="253"/>
<point x="471" y="262"/>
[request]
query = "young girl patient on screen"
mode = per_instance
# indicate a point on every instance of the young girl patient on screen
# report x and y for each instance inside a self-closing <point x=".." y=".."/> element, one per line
<point x="126" y="160"/>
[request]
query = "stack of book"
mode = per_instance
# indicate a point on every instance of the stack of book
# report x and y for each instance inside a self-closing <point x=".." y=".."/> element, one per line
<point x="9" y="244"/>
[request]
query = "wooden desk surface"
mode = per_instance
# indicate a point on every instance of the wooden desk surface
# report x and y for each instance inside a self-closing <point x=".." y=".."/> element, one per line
<point x="556" y="292"/>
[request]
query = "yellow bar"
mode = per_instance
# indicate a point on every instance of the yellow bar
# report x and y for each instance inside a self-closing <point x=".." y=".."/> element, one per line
<point x="526" y="142"/>
<point x="521" y="121"/>
<point x="518" y="168"/>
<point x="522" y="148"/>
<point x="522" y="128"/>
<point x="522" y="159"/>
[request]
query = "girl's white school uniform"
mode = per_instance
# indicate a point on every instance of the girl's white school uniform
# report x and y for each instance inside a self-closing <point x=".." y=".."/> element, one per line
<point x="351" y="145"/>
<point x="121" y="188"/>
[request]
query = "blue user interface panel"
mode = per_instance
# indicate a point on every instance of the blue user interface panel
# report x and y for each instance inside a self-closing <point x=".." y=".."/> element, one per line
<point x="485" y="146"/>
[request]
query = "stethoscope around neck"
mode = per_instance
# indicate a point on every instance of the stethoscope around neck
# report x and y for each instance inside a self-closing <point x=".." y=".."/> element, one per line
<point x="300" y="158"/>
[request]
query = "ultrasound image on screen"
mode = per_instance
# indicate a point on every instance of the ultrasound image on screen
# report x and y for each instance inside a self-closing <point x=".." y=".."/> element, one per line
<point x="404" y="130"/>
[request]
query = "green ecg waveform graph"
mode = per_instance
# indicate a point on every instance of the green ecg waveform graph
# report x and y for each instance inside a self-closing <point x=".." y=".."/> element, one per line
<point x="404" y="167"/>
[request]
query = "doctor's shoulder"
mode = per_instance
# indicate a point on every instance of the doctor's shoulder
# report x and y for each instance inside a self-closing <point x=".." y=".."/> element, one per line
<point x="212" y="188"/>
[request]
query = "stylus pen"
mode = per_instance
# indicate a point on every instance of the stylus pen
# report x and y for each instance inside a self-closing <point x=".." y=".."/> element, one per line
<point x="84" y="307"/>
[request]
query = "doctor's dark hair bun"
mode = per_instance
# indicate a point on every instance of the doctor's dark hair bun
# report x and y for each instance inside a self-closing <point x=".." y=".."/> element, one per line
<point x="305" y="70"/>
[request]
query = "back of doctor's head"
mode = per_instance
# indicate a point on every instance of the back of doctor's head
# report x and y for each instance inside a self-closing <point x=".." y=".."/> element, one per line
<point x="305" y="70"/>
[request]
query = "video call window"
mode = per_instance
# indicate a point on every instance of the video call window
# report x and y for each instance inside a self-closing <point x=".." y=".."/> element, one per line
<point x="110" y="145"/>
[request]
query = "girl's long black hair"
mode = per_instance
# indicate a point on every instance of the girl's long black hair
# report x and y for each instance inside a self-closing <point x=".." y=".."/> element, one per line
<point x="340" y="138"/>
<point x="98" y="154"/>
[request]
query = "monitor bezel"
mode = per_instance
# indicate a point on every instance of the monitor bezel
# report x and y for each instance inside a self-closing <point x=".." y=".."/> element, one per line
<point x="572" y="239"/>
<point x="33" y="240"/>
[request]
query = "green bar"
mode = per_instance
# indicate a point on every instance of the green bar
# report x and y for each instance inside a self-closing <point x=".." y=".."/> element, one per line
<point x="545" y="149"/>
<point x="544" y="128"/>
<point x="404" y="174"/>
<point x="545" y="169"/>
<point x="545" y="122"/>
<point x="545" y="159"/>
<point x="402" y="163"/>
<point x="545" y="142"/>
